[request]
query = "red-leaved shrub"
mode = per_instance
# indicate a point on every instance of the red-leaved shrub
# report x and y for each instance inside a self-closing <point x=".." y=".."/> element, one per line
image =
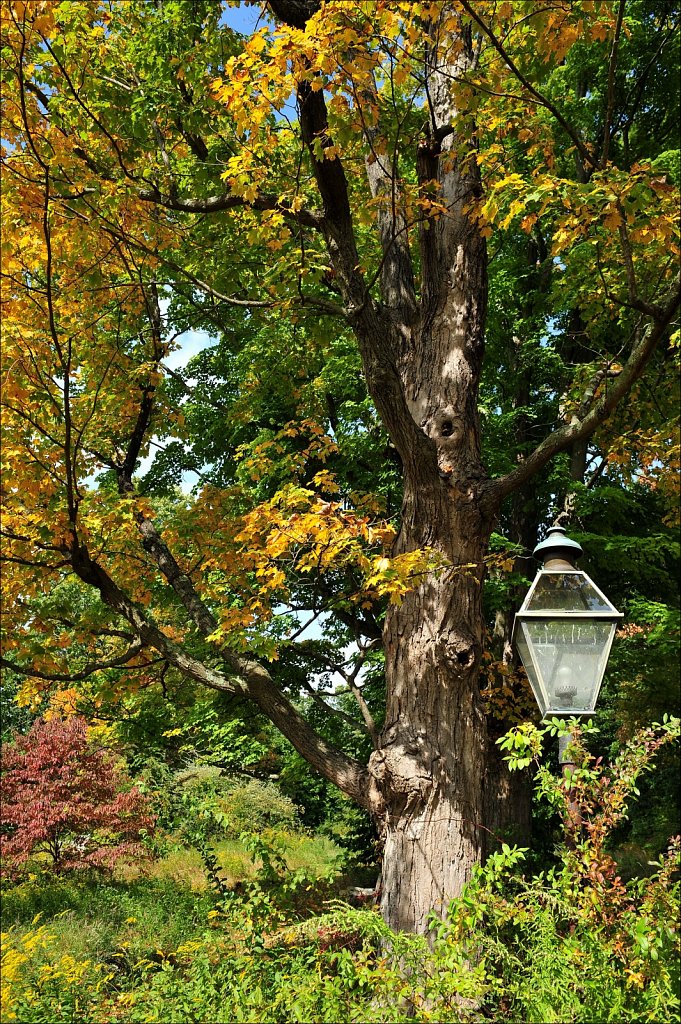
<point x="64" y="796"/>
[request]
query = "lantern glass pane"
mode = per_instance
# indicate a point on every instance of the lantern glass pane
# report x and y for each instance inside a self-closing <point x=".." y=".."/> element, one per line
<point x="528" y="665"/>
<point x="566" y="592"/>
<point x="569" y="657"/>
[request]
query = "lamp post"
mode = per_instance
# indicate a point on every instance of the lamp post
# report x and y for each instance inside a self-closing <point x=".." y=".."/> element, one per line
<point x="563" y="633"/>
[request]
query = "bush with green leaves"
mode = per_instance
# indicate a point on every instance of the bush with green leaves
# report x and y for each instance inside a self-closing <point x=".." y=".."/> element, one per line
<point x="202" y="804"/>
<point x="576" y="943"/>
<point x="254" y="806"/>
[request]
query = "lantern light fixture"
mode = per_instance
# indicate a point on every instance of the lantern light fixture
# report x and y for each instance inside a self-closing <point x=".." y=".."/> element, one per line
<point x="564" y="630"/>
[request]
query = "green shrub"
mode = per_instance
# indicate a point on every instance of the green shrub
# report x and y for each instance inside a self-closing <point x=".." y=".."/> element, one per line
<point x="577" y="943"/>
<point x="254" y="806"/>
<point x="555" y="949"/>
<point x="343" y="966"/>
<point x="208" y="805"/>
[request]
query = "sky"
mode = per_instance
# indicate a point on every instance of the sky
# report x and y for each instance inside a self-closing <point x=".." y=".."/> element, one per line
<point x="243" y="18"/>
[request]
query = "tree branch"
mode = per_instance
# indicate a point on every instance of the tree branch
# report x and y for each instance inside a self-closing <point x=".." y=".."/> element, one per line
<point x="227" y="201"/>
<point x="85" y="673"/>
<point x="329" y="710"/>
<point x="333" y="764"/>
<point x="51" y="566"/>
<point x="379" y="331"/>
<point x="396" y="270"/>
<point x="584" y="152"/>
<point x="610" y="102"/>
<point x="592" y="414"/>
<point x="252" y="679"/>
<point x="111" y="228"/>
<point x="642" y="80"/>
<point x="635" y="300"/>
<point x="150" y="634"/>
<point x="310" y="649"/>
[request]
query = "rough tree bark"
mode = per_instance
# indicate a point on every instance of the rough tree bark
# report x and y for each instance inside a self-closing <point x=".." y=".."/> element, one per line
<point x="430" y="765"/>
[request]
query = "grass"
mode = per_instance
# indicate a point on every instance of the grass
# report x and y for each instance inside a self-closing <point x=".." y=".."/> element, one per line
<point x="159" y="905"/>
<point x="92" y="918"/>
<point x="315" y="855"/>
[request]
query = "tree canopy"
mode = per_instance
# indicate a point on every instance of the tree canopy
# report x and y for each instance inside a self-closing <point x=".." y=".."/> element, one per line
<point x="325" y="198"/>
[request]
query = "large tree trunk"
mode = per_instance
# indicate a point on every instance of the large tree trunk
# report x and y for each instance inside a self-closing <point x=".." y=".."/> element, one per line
<point x="422" y="351"/>
<point x="422" y="360"/>
<point x="430" y="766"/>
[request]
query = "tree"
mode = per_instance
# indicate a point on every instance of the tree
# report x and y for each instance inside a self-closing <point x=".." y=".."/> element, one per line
<point x="65" y="797"/>
<point x="155" y="157"/>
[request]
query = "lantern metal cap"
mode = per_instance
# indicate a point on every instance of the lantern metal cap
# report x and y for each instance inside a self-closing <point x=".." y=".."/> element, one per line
<point x="558" y="546"/>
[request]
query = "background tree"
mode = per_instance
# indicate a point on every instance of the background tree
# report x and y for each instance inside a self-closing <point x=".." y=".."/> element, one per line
<point x="325" y="188"/>
<point x="65" y="797"/>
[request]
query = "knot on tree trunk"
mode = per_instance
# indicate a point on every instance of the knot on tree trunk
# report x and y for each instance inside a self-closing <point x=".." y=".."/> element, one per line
<point x="460" y="651"/>
<point x="403" y="777"/>
<point x="446" y="427"/>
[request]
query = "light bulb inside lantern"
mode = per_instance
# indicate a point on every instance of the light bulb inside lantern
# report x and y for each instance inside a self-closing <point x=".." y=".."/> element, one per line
<point x="565" y="688"/>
